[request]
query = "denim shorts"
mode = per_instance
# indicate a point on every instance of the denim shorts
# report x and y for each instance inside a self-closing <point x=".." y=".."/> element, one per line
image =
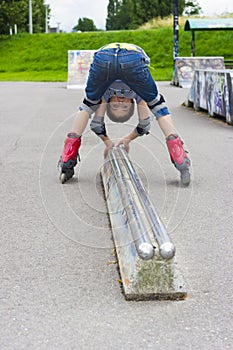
<point x="127" y="65"/>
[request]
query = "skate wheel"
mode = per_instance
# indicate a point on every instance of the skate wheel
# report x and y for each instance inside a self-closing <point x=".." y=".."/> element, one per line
<point x="185" y="178"/>
<point x="63" y="178"/>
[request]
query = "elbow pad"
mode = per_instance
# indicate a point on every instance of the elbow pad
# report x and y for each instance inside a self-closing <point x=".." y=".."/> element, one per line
<point x="143" y="127"/>
<point x="98" y="126"/>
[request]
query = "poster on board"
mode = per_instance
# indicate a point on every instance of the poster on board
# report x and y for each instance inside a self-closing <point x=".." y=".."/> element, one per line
<point x="78" y="67"/>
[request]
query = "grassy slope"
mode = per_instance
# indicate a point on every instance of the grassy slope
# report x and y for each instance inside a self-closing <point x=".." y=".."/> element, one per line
<point x="43" y="57"/>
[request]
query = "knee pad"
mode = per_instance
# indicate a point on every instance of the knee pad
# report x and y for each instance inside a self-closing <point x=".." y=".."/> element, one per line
<point x="89" y="107"/>
<point x="158" y="107"/>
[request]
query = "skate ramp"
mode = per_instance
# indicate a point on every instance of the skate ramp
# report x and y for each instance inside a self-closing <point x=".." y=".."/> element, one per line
<point x="212" y="90"/>
<point x="185" y="67"/>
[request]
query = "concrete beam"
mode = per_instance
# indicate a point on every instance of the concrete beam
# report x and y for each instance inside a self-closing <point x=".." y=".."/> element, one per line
<point x="145" y="253"/>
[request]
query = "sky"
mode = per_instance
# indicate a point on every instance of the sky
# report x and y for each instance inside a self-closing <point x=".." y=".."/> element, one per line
<point x="65" y="13"/>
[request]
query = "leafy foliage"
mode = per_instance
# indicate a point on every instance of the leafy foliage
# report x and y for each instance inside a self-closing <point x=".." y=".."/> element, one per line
<point x="192" y="8"/>
<point x="16" y="12"/>
<point x="85" y="25"/>
<point x="129" y="14"/>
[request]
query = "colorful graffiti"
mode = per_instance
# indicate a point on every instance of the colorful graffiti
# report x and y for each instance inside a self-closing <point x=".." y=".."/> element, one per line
<point x="78" y="67"/>
<point x="212" y="90"/>
<point x="185" y="66"/>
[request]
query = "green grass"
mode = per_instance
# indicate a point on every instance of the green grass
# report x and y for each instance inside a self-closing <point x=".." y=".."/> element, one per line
<point x="50" y="76"/>
<point x="43" y="57"/>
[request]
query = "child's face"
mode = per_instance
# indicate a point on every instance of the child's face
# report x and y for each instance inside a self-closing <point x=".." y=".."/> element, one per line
<point x="120" y="106"/>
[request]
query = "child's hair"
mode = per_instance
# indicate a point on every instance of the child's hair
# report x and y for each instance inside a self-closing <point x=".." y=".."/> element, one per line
<point x="115" y="119"/>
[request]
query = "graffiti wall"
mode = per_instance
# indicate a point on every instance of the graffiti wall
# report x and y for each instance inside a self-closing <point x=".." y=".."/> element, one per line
<point x="212" y="90"/>
<point x="78" y="67"/>
<point x="184" y="68"/>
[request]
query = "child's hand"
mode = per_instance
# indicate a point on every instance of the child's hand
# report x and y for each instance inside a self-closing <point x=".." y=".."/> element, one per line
<point x="125" y="142"/>
<point x="109" y="145"/>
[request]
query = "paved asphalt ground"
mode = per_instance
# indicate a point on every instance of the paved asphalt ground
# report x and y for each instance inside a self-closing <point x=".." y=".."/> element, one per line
<point x="59" y="285"/>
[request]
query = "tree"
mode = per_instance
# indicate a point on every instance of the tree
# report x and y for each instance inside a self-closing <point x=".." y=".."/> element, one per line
<point x="130" y="14"/>
<point x="16" y="12"/>
<point x="112" y="20"/>
<point x="192" y="8"/>
<point x="124" y="15"/>
<point x="119" y="15"/>
<point x="85" y="25"/>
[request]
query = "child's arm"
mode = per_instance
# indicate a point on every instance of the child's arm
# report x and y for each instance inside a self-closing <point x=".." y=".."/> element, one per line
<point x="108" y="143"/>
<point x="98" y="127"/>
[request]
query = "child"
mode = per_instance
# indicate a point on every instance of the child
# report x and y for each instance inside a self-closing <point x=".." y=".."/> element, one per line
<point x="119" y="74"/>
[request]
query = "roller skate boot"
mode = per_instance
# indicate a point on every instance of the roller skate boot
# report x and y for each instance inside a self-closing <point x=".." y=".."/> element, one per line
<point x="179" y="157"/>
<point x="69" y="157"/>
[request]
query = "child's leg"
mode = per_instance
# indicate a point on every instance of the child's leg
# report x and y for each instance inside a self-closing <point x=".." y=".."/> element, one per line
<point x="80" y="122"/>
<point x="166" y="125"/>
<point x="101" y="76"/>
